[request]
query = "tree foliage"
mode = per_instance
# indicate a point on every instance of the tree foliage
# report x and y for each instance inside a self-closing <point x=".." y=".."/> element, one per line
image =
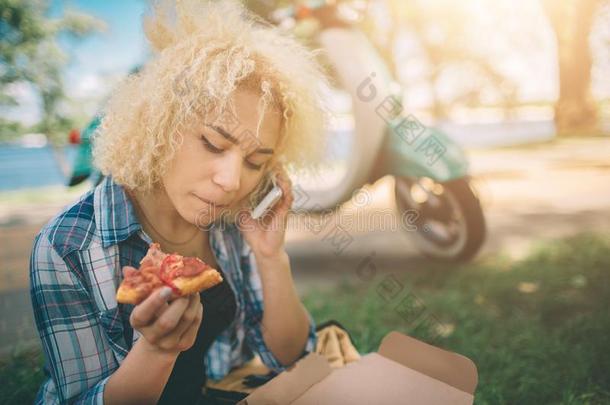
<point x="30" y="52"/>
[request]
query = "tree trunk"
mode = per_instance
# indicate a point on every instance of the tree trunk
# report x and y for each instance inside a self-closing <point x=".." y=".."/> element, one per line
<point x="575" y="110"/>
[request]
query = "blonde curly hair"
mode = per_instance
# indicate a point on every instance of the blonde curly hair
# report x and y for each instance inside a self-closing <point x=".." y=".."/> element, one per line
<point x="205" y="51"/>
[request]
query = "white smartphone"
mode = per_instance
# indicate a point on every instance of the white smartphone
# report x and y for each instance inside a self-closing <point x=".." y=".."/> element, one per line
<point x="268" y="201"/>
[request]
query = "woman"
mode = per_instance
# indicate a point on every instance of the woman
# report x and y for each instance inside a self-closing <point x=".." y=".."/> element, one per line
<point x="186" y="145"/>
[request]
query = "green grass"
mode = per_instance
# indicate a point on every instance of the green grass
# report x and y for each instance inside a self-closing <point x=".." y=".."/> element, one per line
<point x="21" y="375"/>
<point x="546" y="346"/>
<point x="550" y="345"/>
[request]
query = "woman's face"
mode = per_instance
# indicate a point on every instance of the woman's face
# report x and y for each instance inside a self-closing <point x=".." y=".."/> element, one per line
<point x="218" y="165"/>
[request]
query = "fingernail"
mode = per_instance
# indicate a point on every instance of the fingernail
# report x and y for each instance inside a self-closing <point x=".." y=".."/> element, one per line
<point x="165" y="292"/>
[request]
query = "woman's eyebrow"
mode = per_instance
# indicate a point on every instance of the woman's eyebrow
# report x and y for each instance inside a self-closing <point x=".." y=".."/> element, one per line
<point x="224" y="133"/>
<point x="232" y="139"/>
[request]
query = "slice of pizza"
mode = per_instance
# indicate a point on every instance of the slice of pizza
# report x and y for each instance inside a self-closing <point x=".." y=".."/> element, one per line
<point x="185" y="275"/>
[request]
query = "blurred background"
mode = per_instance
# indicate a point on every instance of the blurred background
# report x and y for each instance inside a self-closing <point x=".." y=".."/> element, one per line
<point x="522" y="87"/>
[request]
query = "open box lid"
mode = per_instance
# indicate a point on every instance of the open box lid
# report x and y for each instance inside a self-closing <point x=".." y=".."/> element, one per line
<point x="451" y="368"/>
<point x="414" y="370"/>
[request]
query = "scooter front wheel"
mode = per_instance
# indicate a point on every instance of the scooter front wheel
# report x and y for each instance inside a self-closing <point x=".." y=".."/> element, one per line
<point x="445" y="220"/>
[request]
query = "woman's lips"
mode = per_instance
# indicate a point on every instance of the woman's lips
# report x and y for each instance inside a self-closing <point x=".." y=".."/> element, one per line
<point x="211" y="203"/>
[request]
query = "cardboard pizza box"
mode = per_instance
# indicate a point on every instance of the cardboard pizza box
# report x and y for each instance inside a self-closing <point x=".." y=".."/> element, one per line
<point x="403" y="370"/>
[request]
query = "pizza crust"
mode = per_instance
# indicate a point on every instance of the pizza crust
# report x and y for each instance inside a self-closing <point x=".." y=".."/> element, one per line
<point x="130" y="295"/>
<point x="189" y="285"/>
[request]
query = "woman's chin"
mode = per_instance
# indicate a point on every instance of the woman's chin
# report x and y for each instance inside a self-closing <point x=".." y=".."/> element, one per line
<point x="205" y="217"/>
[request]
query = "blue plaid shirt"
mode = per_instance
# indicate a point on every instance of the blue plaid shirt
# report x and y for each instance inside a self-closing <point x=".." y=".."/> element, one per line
<point x="75" y="269"/>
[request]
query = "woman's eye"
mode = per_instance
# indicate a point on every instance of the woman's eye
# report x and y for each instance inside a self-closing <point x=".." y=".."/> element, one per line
<point x="209" y="146"/>
<point x="254" y="166"/>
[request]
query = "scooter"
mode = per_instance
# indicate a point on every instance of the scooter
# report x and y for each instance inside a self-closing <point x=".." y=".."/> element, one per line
<point x="82" y="168"/>
<point x="432" y="187"/>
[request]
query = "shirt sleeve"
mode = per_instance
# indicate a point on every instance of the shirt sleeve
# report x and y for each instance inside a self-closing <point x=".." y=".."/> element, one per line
<point x="254" y="307"/>
<point x="70" y="334"/>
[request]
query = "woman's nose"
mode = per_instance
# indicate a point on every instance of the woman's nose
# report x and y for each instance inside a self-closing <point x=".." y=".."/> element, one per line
<point x="228" y="172"/>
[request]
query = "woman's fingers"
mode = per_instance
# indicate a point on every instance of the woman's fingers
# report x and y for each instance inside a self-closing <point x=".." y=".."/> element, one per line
<point x="189" y="316"/>
<point x="168" y="320"/>
<point x="164" y="324"/>
<point x="285" y="184"/>
<point x="188" y="337"/>
<point x="278" y="213"/>
<point x="147" y="311"/>
<point x="191" y="319"/>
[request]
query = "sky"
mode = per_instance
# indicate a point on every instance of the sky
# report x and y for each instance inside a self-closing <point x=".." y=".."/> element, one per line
<point x="114" y="51"/>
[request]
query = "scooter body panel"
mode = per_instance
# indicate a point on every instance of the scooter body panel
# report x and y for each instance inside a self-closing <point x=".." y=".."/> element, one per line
<point x="411" y="150"/>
